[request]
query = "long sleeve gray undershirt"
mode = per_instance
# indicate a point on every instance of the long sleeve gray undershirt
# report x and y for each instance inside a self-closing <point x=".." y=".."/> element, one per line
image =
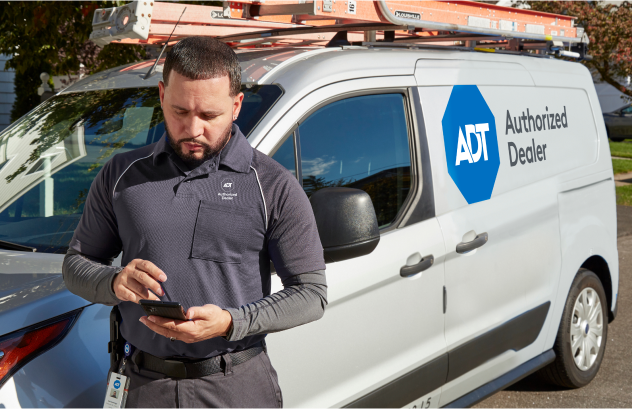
<point x="302" y="300"/>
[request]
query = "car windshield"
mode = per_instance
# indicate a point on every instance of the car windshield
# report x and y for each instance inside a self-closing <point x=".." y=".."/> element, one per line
<point x="50" y="157"/>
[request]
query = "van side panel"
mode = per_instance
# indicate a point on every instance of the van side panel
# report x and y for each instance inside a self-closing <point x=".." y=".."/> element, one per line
<point x="587" y="227"/>
<point x="562" y="76"/>
<point x="587" y="199"/>
<point x="549" y="141"/>
<point x="542" y="133"/>
<point x="518" y="267"/>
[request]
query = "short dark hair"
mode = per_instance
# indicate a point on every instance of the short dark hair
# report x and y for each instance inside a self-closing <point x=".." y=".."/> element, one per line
<point x="202" y="58"/>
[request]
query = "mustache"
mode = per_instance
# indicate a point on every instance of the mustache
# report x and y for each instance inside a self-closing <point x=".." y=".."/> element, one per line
<point x="193" y="140"/>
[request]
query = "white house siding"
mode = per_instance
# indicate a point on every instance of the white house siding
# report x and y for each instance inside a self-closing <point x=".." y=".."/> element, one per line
<point x="7" y="93"/>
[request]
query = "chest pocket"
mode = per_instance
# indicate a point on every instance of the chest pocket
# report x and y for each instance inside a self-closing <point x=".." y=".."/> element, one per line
<point x="223" y="232"/>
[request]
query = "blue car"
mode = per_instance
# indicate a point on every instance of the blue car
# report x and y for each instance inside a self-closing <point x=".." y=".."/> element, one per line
<point x="53" y="344"/>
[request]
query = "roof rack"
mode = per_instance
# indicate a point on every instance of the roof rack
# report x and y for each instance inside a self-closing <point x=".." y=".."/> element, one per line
<point x="269" y="23"/>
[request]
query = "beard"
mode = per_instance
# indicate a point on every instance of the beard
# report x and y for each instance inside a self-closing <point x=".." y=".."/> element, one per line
<point x="209" y="150"/>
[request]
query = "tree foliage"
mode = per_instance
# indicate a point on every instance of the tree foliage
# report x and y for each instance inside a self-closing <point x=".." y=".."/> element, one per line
<point x="54" y="37"/>
<point x="26" y="84"/>
<point x="609" y="28"/>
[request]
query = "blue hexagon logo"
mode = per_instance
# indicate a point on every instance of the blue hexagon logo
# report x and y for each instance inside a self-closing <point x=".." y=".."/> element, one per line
<point x="471" y="143"/>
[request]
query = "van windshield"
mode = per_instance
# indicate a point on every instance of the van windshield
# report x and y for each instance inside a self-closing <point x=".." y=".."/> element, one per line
<point x="50" y="157"/>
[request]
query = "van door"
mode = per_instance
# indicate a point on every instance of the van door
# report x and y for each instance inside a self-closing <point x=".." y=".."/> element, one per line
<point x="380" y="342"/>
<point x="499" y="217"/>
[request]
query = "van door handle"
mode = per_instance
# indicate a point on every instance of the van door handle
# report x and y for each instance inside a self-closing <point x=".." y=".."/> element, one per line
<point x="424" y="264"/>
<point x="478" y="241"/>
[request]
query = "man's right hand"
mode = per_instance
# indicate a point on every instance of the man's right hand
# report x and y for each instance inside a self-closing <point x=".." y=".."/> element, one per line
<point x="136" y="279"/>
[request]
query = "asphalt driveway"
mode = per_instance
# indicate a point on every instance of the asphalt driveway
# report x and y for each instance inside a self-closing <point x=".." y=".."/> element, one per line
<point x="613" y="385"/>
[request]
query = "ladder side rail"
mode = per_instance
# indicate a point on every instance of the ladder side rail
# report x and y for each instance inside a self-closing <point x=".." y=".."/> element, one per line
<point x="313" y="30"/>
<point x="443" y="38"/>
<point x="195" y="14"/>
<point x="259" y="25"/>
<point x="163" y="30"/>
<point x="431" y="25"/>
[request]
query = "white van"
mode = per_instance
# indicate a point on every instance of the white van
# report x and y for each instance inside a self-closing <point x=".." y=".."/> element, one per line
<point x="495" y="166"/>
<point x="492" y="184"/>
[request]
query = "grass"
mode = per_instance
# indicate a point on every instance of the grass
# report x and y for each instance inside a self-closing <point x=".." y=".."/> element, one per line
<point x="622" y="149"/>
<point x="624" y="195"/>
<point x="621" y="166"/>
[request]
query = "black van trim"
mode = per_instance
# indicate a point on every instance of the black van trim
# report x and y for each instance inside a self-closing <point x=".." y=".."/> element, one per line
<point x="515" y="334"/>
<point x="425" y="206"/>
<point x="408" y="387"/>
<point x="504" y="381"/>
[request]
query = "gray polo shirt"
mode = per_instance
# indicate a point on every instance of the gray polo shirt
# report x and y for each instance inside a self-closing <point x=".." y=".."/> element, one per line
<point x="213" y="230"/>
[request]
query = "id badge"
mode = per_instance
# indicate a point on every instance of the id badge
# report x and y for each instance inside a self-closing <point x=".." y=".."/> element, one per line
<point x="116" y="393"/>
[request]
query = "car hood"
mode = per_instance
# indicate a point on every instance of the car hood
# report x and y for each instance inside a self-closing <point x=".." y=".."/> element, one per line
<point x="32" y="290"/>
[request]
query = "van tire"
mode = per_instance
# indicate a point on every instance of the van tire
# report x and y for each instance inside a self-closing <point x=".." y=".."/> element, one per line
<point x="564" y="371"/>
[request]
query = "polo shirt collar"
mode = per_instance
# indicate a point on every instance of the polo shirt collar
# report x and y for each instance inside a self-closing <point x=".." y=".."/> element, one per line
<point x="236" y="155"/>
<point x="162" y="147"/>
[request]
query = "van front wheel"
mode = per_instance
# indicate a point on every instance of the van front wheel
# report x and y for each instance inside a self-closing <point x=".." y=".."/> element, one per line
<point x="581" y="337"/>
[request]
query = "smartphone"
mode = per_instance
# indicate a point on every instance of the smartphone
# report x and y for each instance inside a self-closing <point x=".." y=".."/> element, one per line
<point x="166" y="309"/>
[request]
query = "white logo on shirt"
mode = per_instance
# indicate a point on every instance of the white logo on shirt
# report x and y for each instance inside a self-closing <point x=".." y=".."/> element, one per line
<point x="228" y="185"/>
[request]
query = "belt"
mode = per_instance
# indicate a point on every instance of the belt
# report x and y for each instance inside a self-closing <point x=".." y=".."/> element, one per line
<point x="179" y="369"/>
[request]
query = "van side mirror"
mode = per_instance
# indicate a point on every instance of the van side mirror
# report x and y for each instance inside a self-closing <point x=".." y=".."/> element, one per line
<point x="346" y="222"/>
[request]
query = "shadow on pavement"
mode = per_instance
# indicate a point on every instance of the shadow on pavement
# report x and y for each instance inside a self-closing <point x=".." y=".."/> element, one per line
<point x="534" y="384"/>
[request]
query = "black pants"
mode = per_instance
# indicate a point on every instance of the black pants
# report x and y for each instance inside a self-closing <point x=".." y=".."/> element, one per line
<point x="253" y="383"/>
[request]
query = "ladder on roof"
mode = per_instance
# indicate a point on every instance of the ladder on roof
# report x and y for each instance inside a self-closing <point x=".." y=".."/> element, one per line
<point x="269" y="23"/>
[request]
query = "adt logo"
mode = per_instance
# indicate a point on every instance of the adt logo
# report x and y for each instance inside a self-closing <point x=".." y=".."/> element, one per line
<point x="117" y="384"/>
<point x="471" y="145"/>
<point x="228" y="185"/>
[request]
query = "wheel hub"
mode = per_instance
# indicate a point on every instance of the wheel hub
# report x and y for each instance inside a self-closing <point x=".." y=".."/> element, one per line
<point x="586" y="329"/>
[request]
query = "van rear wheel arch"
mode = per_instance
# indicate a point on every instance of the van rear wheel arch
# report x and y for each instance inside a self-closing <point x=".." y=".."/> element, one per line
<point x="599" y="266"/>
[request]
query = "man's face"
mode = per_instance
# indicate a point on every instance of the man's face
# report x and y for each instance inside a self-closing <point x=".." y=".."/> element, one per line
<point x="198" y="115"/>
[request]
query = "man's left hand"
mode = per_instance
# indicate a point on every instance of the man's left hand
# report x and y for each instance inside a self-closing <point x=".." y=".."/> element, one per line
<point x="206" y="322"/>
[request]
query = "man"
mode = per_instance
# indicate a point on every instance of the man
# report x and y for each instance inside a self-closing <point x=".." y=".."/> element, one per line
<point x="198" y="217"/>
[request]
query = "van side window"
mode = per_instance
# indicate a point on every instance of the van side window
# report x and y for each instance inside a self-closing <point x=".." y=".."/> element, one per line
<point x="285" y="155"/>
<point x="359" y="142"/>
